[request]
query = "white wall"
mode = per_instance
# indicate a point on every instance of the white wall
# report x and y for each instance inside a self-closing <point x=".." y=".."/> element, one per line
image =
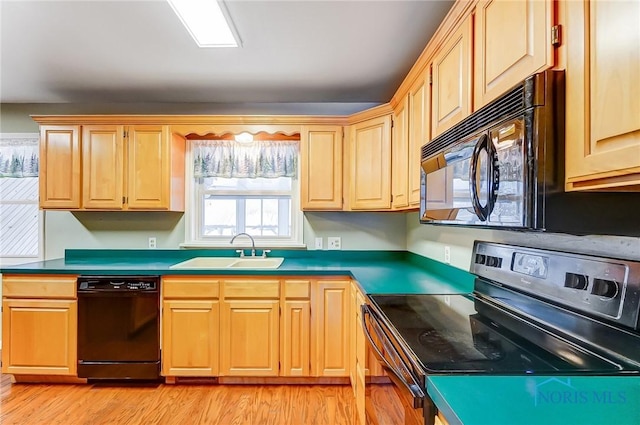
<point x="127" y="230"/>
<point x="124" y="230"/>
<point x="430" y="240"/>
<point x="358" y="230"/>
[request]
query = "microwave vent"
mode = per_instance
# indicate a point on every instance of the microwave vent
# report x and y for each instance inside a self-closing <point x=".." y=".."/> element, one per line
<point x="508" y="104"/>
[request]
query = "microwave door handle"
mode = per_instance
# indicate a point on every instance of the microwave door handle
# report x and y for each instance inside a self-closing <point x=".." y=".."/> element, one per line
<point x="494" y="176"/>
<point x="416" y="392"/>
<point x="484" y="143"/>
<point x="481" y="212"/>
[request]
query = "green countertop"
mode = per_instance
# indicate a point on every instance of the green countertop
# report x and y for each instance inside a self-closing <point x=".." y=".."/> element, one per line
<point x="468" y="400"/>
<point x="537" y="400"/>
<point x="375" y="271"/>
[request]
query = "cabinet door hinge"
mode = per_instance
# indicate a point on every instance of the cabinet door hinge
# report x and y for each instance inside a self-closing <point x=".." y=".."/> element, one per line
<point x="556" y="35"/>
<point x="431" y="75"/>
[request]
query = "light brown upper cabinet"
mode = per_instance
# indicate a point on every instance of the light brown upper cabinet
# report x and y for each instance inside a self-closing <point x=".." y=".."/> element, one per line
<point x="60" y="167"/>
<point x="370" y="164"/>
<point x="452" y="74"/>
<point x="141" y="159"/>
<point x="400" y="156"/>
<point x="102" y="166"/>
<point x="603" y="95"/>
<point x="512" y="41"/>
<point x="419" y="130"/>
<point x="321" y="168"/>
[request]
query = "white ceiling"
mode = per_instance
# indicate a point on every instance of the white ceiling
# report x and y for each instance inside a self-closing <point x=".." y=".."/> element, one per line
<point x="88" y="51"/>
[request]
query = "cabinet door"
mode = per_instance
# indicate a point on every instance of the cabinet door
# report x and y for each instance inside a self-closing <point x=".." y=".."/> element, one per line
<point x="148" y="167"/>
<point x="296" y="326"/>
<point x="249" y="338"/>
<point x="321" y="168"/>
<point x="452" y="74"/>
<point x="331" y="325"/>
<point x="60" y="167"/>
<point x="603" y="95"/>
<point x="400" y="156"/>
<point x="39" y="336"/>
<point x="190" y="340"/>
<point x="102" y="166"/>
<point x="419" y="133"/>
<point x="370" y="157"/>
<point x="512" y="41"/>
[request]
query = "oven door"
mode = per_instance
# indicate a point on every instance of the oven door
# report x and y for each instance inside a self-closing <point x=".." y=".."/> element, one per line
<point x="479" y="181"/>
<point x="408" y="381"/>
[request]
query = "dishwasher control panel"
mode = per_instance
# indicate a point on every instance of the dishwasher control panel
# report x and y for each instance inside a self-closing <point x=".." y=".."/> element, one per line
<point x="118" y="283"/>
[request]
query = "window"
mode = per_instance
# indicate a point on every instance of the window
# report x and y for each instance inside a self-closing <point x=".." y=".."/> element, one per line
<point x="20" y="218"/>
<point x="244" y="187"/>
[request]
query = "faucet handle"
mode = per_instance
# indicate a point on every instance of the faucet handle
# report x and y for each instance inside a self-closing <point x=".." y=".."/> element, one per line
<point x="240" y="251"/>
<point x="265" y="252"/>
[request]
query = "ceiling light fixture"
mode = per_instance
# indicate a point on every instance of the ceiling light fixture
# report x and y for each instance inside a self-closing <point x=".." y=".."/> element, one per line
<point x="244" y="137"/>
<point x="206" y="21"/>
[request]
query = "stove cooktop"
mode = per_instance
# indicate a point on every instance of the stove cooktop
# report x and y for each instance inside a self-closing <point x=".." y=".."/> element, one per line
<point x="465" y="334"/>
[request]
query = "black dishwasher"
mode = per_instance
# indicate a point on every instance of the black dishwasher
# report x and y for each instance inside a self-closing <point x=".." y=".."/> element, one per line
<point x="118" y="327"/>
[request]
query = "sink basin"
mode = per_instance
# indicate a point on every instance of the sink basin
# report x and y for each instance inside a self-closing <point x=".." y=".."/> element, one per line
<point x="257" y="263"/>
<point x="229" y="262"/>
<point x="205" y="263"/>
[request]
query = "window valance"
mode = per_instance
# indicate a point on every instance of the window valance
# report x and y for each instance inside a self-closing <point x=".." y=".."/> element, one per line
<point x="231" y="159"/>
<point x="19" y="155"/>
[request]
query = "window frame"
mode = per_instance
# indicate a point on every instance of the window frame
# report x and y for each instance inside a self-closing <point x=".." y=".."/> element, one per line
<point x="19" y="259"/>
<point x="194" y="211"/>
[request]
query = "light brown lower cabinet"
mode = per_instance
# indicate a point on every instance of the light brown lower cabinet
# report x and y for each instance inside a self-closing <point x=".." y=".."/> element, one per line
<point x="295" y="329"/>
<point x="190" y="330"/>
<point x="249" y="338"/>
<point x="257" y="327"/>
<point x="190" y="326"/>
<point x="39" y="325"/>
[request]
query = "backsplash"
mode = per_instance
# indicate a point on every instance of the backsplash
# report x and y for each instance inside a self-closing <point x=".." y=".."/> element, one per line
<point x="129" y="230"/>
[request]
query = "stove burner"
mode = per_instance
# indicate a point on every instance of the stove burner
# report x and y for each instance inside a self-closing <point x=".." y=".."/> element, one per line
<point x="455" y="346"/>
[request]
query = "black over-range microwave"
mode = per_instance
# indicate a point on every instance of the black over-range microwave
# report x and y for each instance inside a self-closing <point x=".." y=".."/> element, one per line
<point x="503" y="167"/>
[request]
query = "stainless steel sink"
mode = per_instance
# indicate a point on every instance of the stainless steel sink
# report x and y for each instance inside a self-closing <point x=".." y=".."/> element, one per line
<point x="229" y="262"/>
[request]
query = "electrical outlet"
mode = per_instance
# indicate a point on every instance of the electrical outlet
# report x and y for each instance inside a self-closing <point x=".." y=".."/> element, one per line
<point x="447" y="254"/>
<point x="334" y="242"/>
<point x="152" y="243"/>
<point x="318" y="243"/>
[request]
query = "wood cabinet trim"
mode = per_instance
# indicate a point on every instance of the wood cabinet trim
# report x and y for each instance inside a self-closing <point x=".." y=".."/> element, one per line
<point x="39" y="286"/>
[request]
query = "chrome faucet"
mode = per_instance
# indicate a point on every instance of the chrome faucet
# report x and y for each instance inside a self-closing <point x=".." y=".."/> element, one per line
<point x="241" y="251"/>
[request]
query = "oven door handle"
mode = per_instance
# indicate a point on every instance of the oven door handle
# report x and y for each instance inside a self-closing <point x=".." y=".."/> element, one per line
<point x="413" y="387"/>
<point x="484" y="143"/>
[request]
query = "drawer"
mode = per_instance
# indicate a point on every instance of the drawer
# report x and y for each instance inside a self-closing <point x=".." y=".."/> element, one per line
<point x="190" y="287"/>
<point x="38" y="286"/>
<point x="252" y="289"/>
<point x="297" y="289"/>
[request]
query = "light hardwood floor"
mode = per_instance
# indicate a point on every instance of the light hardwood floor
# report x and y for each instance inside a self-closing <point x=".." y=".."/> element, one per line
<point x="27" y="404"/>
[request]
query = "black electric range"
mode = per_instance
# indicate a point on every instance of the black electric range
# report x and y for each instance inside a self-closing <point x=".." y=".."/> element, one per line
<point x="532" y="311"/>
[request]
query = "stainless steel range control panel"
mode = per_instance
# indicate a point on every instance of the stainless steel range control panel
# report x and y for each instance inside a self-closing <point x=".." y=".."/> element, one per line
<point x="599" y="286"/>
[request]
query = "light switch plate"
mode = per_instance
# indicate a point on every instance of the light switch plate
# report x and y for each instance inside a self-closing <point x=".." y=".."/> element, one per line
<point x="334" y="243"/>
<point x="319" y="243"/>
